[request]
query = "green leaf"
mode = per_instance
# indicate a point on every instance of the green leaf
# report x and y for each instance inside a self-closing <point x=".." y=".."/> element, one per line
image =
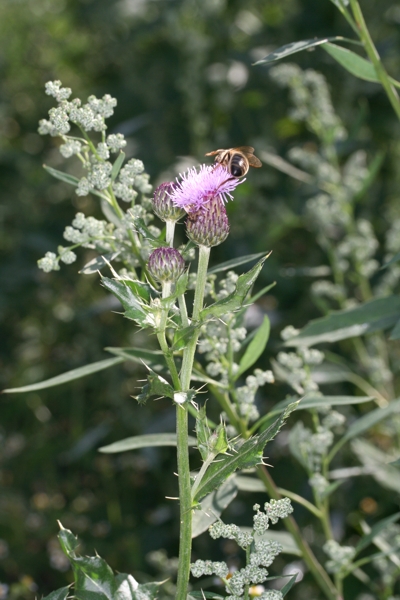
<point x="146" y="591"/>
<point x="144" y="441"/>
<point x="395" y="333"/>
<point x="339" y="3"/>
<point x="60" y="594"/>
<point x="288" y="586"/>
<point x="66" y="178"/>
<point x="366" y="540"/>
<point x="117" y="166"/>
<point x="68" y="376"/>
<point x="249" y="484"/>
<point x="235" y="262"/>
<point x="182" y="337"/>
<point x="369" y="420"/>
<point x="249" y="454"/>
<point x="395" y="259"/>
<point x="155" y="386"/>
<point x="140" y="289"/>
<point x="212" y="506"/>
<point x="89" y="595"/>
<point x="316" y="401"/>
<point x="142" y="228"/>
<point x="152" y="358"/>
<point x="202" y="595"/>
<point x="255" y="348"/>
<point x="378" y="464"/>
<point x="352" y="62"/>
<point x="203" y="433"/>
<point x="133" y="305"/>
<point x="181" y="284"/>
<point x="98" y="263"/>
<point x="374" y="315"/>
<point x="126" y="586"/>
<point x="295" y="47"/>
<point x="237" y="298"/>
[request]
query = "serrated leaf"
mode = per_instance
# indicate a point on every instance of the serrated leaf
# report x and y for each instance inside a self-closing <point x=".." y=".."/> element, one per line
<point x="155" y="386"/>
<point x="117" y="166"/>
<point x="60" y="594"/>
<point x="182" y="337"/>
<point x="295" y="47"/>
<point x="235" y="262"/>
<point x="255" y="348"/>
<point x="212" y="506"/>
<point x="374" y="315"/>
<point x="152" y="358"/>
<point x="366" y="540"/>
<point x="98" y="263"/>
<point x="144" y="441"/>
<point x="237" y="298"/>
<point x="140" y="289"/>
<point x="126" y="586"/>
<point x="369" y="420"/>
<point x="68" y="376"/>
<point x="146" y="591"/>
<point x="132" y="304"/>
<point x="249" y="454"/>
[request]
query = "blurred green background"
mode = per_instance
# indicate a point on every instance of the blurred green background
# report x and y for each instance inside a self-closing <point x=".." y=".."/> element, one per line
<point x="183" y="76"/>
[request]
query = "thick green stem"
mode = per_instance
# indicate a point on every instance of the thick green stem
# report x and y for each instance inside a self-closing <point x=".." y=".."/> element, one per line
<point x="319" y="573"/>
<point x="185" y="538"/>
<point x="374" y="57"/>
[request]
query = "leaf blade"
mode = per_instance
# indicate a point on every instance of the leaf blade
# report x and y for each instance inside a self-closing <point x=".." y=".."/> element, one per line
<point x="143" y="441"/>
<point x="255" y="348"/>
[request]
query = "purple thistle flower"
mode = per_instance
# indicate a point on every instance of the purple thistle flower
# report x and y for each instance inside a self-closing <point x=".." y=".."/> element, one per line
<point x="166" y="264"/>
<point x="198" y="187"/>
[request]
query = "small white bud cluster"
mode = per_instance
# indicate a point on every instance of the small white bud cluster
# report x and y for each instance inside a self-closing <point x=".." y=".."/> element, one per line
<point x="340" y="556"/>
<point x="309" y="447"/>
<point x="231" y="532"/>
<point x="289" y="332"/>
<point x="227" y="285"/>
<point x="327" y="288"/>
<point x="209" y="567"/>
<point x="297" y="368"/>
<point x="246" y="394"/>
<point x="274" y="510"/>
<point x="319" y="484"/>
<point x="49" y="262"/>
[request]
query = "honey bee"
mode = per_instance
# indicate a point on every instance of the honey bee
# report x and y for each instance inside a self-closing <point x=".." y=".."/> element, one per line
<point x="236" y="160"/>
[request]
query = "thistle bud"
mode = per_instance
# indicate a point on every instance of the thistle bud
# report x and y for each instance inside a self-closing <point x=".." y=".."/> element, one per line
<point x="162" y="204"/>
<point x="209" y="226"/>
<point x="166" y="264"/>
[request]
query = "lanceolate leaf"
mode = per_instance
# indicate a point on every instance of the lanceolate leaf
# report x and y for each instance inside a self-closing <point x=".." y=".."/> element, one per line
<point x="144" y="441"/>
<point x="377" y="314"/>
<point x="235" y="262"/>
<point x="152" y="358"/>
<point x="117" y="166"/>
<point x="395" y="333"/>
<point x="376" y="529"/>
<point x="70" y="179"/>
<point x="288" y="586"/>
<point x="352" y="62"/>
<point x="255" y="348"/>
<point x="369" y="420"/>
<point x="249" y="454"/>
<point x="295" y="47"/>
<point x="377" y="464"/>
<point x="237" y="298"/>
<point x="68" y="376"/>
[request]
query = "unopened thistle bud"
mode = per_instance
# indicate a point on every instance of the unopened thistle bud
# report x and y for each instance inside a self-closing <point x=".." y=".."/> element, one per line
<point x="209" y="226"/>
<point x="163" y="206"/>
<point x="166" y="264"/>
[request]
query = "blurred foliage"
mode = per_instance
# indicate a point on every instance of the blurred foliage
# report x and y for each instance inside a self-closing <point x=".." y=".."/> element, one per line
<point x="181" y="70"/>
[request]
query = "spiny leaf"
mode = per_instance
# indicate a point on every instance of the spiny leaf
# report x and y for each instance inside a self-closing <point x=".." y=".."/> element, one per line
<point x="132" y="304"/>
<point x="237" y="298"/>
<point x="155" y="386"/>
<point x="98" y="263"/>
<point x="60" y="594"/>
<point x="249" y="454"/>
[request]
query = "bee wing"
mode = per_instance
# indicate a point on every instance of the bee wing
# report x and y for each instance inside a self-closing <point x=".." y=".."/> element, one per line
<point x="245" y="149"/>
<point x="214" y="152"/>
<point x="254" y="161"/>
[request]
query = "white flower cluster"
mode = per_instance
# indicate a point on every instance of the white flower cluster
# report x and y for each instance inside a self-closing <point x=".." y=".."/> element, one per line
<point x="319" y="484"/>
<point x="246" y="394"/>
<point x="309" y="447"/>
<point x="340" y="556"/>
<point x="296" y="368"/>
<point x="260" y="553"/>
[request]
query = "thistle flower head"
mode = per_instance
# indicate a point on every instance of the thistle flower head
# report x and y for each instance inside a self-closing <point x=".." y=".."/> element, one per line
<point x="198" y="187"/>
<point x="166" y="264"/>
<point x="208" y="226"/>
<point x="163" y="205"/>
